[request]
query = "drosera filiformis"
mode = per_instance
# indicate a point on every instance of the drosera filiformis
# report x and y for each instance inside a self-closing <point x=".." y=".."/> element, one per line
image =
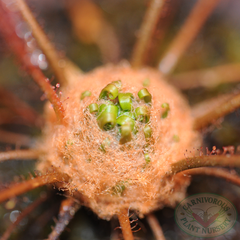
<point x="143" y="152"/>
<point x="147" y="156"/>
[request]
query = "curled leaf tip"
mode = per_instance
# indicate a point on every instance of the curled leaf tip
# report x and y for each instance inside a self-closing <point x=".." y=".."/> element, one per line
<point x="106" y="143"/>
<point x="110" y="91"/>
<point x="127" y="113"/>
<point x="122" y="112"/>
<point x="147" y="158"/>
<point x="119" y="188"/>
<point x="107" y="121"/>
<point x="126" y="133"/>
<point x="167" y="109"/>
<point x="142" y="114"/>
<point x="108" y="108"/>
<point x="144" y="94"/>
<point x="176" y="138"/>
<point x="85" y="94"/>
<point x="125" y="101"/>
<point x="166" y="106"/>
<point x="147" y="131"/>
<point x="93" y="107"/>
<point x="123" y="119"/>
<point x="118" y="84"/>
<point x="146" y="82"/>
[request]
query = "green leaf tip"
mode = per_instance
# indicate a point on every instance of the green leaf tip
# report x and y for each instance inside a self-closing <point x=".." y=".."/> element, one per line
<point x="93" y="107"/>
<point x="146" y="82"/>
<point x="110" y="91"/>
<point x="85" y="94"/>
<point x="167" y="109"/>
<point x="144" y="94"/>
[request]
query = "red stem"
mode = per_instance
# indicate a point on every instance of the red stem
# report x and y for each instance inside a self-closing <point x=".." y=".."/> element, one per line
<point x="205" y="161"/>
<point x="31" y="184"/>
<point x="210" y="115"/>
<point x="18" y="47"/>
<point x="216" y="172"/>
<point x="187" y="33"/>
<point x="155" y="226"/>
<point x="125" y="224"/>
<point x="47" y="47"/>
<point x="207" y="77"/>
<point x="15" y="138"/>
<point x="19" y="154"/>
<point x="146" y="31"/>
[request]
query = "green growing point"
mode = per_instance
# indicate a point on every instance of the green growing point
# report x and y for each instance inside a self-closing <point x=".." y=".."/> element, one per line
<point x="119" y="188"/>
<point x="119" y="112"/>
<point x="107" y="121"/>
<point x="146" y="82"/>
<point x="147" y="158"/>
<point x="147" y="131"/>
<point x="126" y="120"/>
<point x="93" y="107"/>
<point x="167" y="109"/>
<point x="126" y="133"/>
<point x="142" y="114"/>
<point x="125" y="101"/>
<point x="118" y="84"/>
<point x="85" y="94"/>
<point x="110" y="91"/>
<point x="144" y="94"/>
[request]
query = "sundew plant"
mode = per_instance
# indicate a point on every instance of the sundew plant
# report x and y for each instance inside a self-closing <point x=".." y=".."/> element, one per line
<point x="116" y="110"/>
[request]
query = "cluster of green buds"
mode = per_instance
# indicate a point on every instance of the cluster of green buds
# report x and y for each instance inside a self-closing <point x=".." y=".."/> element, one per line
<point x="117" y="111"/>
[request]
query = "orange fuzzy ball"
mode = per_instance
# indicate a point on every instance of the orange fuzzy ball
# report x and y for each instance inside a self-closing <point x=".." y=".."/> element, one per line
<point x="118" y="176"/>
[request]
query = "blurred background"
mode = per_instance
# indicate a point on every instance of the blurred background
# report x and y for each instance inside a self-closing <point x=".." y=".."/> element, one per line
<point x="109" y="36"/>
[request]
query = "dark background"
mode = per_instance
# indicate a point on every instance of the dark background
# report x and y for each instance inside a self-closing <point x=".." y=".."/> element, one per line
<point x="217" y="43"/>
